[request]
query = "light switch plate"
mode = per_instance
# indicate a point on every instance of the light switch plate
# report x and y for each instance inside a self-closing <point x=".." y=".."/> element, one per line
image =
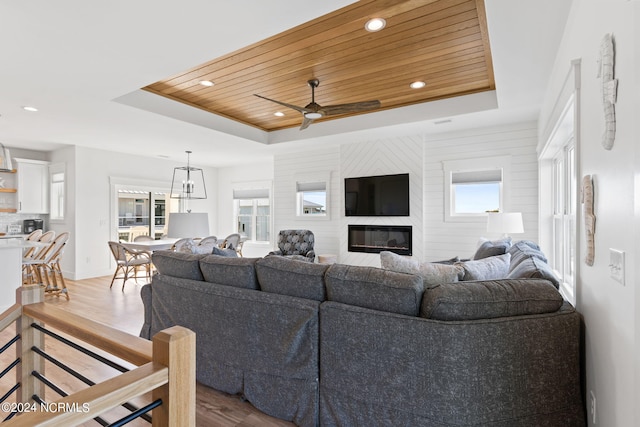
<point x="616" y="265"/>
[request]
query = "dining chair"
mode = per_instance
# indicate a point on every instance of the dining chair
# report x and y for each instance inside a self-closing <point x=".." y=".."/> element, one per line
<point x="49" y="269"/>
<point x="137" y="231"/>
<point x="209" y="240"/>
<point x="183" y="243"/>
<point x="143" y="238"/>
<point x="34" y="236"/>
<point x="128" y="261"/>
<point x="231" y="241"/>
<point x="32" y="258"/>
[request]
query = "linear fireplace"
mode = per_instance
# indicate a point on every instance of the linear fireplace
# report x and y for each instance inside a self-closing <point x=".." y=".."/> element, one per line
<point x="378" y="238"/>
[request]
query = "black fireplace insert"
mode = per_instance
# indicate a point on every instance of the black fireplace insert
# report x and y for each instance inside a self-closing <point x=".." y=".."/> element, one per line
<point x="378" y="238"/>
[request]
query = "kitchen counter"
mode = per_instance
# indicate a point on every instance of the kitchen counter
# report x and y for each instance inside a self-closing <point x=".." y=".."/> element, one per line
<point x="11" y="250"/>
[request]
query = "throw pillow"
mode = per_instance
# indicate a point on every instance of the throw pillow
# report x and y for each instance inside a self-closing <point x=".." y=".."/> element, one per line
<point x="534" y="268"/>
<point x="229" y="252"/>
<point x="203" y="249"/>
<point x="489" y="248"/>
<point x="495" y="267"/>
<point x="431" y="273"/>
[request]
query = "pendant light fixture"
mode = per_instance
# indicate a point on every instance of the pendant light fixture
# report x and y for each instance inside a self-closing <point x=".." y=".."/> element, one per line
<point x="5" y="159"/>
<point x="188" y="182"/>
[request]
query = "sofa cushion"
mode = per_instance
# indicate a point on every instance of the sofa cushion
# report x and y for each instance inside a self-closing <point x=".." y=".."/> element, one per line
<point x="236" y="272"/>
<point x="374" y="288"/>
<point x="534" y="268"/>
<point x="178" y="264"/>
<point x="495" y="267"/>
<point x="489" y="248"/>
<point x="286" y="276"/>
<point x="431" y="273"/>
<point x="489" y="299"/>
<point x="228" y="252"/>
<point x="523" y="250"/>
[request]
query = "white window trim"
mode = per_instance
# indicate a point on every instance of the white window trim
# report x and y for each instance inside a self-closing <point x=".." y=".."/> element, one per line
<point x="313" y="177"/>
<point x="254" y="185"/>
<point x="55" y="169"/>
<point x="469" y="165"/>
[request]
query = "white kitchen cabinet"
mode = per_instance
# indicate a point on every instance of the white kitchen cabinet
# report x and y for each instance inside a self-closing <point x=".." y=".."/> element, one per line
<point x="33" y="186"/>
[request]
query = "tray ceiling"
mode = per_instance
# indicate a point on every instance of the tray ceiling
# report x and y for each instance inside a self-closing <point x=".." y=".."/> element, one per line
<point x="441" y="42"/>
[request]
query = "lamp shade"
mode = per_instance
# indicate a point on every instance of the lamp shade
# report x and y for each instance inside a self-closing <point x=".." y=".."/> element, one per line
<point x="188" y="224"/>
<point x="506" y="223"/>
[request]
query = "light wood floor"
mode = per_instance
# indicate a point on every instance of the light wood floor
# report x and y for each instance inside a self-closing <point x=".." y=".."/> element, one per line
<point x="123" y="310"/>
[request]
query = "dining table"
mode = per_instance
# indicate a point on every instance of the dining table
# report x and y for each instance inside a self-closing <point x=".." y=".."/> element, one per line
<point x="151" y="245"/>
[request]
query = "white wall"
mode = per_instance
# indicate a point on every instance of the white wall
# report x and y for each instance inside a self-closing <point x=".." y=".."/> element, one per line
<point x="445" y="239"/>
<point x="421" y="156"/>
<point x="387" y="156"/>
<point x="296" y="164"/>
<point x="243" y="176"/>
<point x="89" y="172"/>
<point x="610" y="309"/>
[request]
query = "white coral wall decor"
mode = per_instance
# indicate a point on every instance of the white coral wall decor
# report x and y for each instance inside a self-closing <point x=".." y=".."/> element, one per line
<point x="606" y="62"/>
<point x="589" y="218"/>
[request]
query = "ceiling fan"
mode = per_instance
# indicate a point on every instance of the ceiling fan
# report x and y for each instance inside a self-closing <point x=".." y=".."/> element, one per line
<point x="313" y="111"/>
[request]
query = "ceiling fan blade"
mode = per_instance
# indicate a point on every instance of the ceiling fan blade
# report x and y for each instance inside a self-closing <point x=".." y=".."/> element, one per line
<point x="355" y="107"/>
<point x="294" y="107"/>
<point x="305" y="123"/>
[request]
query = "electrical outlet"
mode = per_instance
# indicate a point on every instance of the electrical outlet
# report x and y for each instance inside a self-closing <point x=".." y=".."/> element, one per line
<point x="616" y="265"/>
<point x="593" y="406"/>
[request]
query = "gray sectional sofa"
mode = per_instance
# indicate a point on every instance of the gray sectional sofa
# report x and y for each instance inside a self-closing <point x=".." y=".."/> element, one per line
<point x="344" y="345"/>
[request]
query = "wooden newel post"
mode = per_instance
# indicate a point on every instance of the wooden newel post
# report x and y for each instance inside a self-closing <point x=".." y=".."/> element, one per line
<point x="175" y="348"/>
<point x="29" y="360"/>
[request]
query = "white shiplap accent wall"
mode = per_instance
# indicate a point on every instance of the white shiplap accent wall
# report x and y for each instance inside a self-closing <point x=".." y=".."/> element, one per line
<point x="383" y="157"/>
<point x="448" y="239"/>
<point x="287" y="167"/>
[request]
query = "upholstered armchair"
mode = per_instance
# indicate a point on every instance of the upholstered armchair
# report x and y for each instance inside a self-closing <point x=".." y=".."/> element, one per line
<point x="296" y="244"/>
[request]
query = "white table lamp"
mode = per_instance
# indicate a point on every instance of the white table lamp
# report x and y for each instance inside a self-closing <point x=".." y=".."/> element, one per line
<point x="188" y="224"/>
<point x="505" y="223"/>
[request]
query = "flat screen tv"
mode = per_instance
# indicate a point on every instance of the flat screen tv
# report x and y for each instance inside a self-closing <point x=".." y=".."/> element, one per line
<point x="384" y="195"/>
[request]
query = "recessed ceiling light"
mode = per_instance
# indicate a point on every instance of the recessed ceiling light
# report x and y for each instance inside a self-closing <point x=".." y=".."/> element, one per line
<point x="278" y="114"/>
<point x="207" y="83"/>
<point x="375" y="24"/>
<point x="27" y="108"/>
<point x="417" y="85"/>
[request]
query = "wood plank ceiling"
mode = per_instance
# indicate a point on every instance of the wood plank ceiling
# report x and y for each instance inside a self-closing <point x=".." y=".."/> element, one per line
<point x="441" y="42"/>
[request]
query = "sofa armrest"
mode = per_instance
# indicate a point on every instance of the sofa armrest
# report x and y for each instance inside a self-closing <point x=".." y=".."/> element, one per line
<point x="145" y="294"/>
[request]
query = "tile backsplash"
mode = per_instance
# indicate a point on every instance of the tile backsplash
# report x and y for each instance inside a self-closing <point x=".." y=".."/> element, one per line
<point x="16" y="219"/>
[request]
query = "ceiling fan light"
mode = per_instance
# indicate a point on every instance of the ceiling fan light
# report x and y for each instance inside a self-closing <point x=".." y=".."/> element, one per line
<point x="312" y="116"/>
<point x="375" y="24"/>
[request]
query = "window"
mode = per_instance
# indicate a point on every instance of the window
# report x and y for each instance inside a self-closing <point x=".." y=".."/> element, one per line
<point x="475" y="187"/>
<point x="312" y="196"/>
<point x="56" y="193"/>
<point x="311" y="199"/>
<point x="558" y="176"/>
<point x="563" y="260"/>
<point x="135" y="216"/>
<point x="253" y="214"/>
